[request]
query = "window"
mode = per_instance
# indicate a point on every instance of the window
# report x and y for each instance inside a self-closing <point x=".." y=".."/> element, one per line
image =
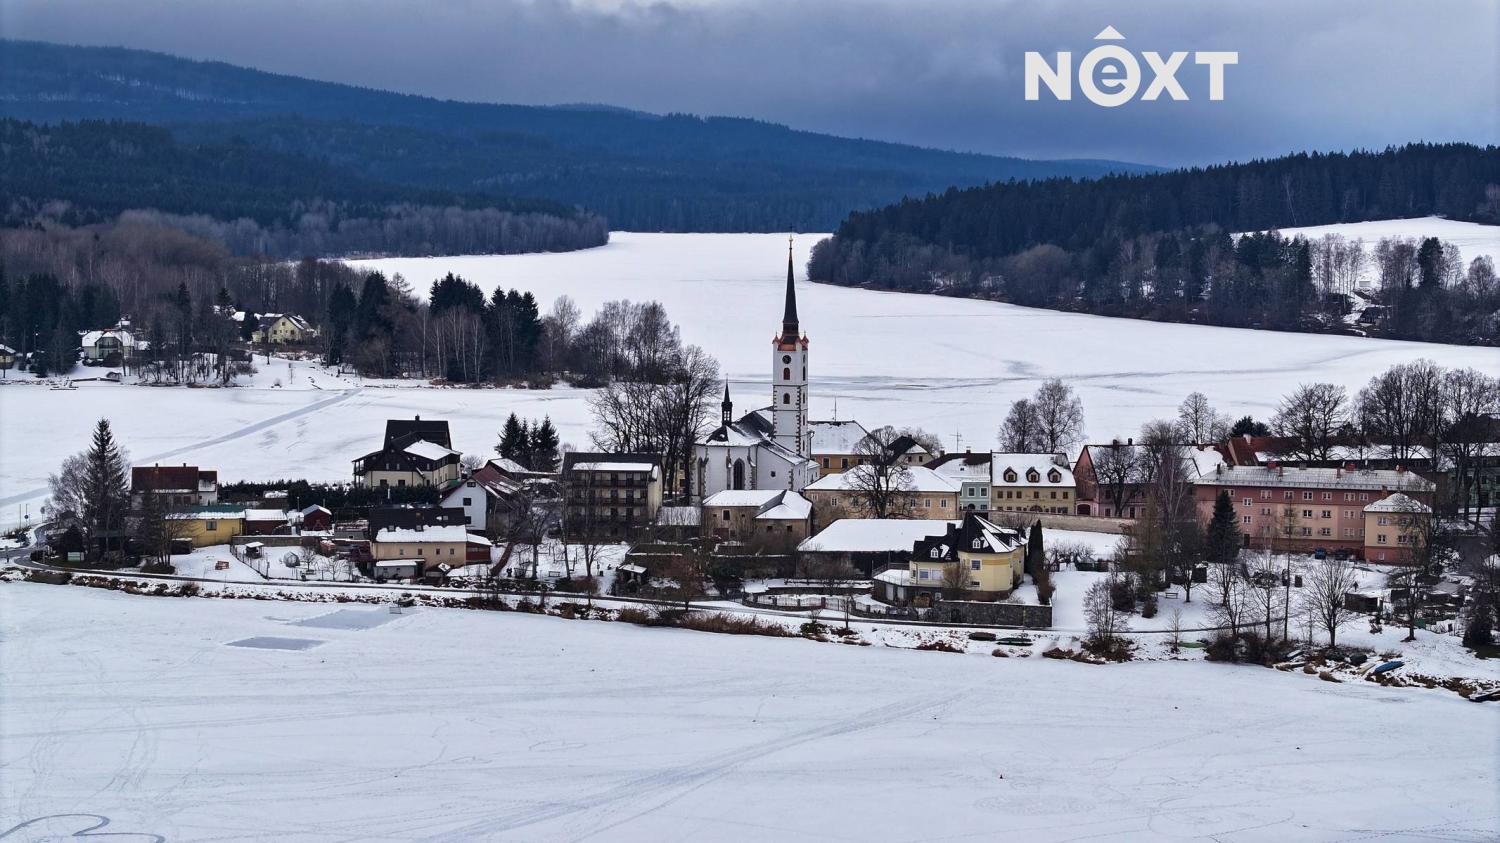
<point x="400" y="483"/>
<point x="943" y="503"/>
<point x="1327" y="496"/>
<point x="973" y="583"/>
<point x="924" y="574"/>
<point x="1265" y="494"/>
<point x="1054" y="496"/>
<point x="1033" y="477"/>
<point x="1245" y="501"/>
<point x="468" y="501"/>
<point x="1364" y="497"/>
<point x="978" y="543"/>
<point x="974" y="565"/>
<point x="1065" y="494"/>
<point x="1349" y="497"/>
<point x="1265" y="510"/>
<point x="1307" y="496"/>
<point x="1287" y="494"/>
<point x="1245" y="519"/>
<point x="1324" y="531"/>
<point x="1307" y="513"/>
<point x="726" y="515"/>
<point x="1382" y="521"/>
<point x="825" y="462"/>
<point x="1306" y="531"/>
<point x="927" y="503"/>
<point x="843" y="462"/>
<point x="210" y="525"/>
<point x="933" y="553"/>
<point x="786" y="374"/>
<point x="786" y="398"/>
<point x="1380" y="538"/>
<point x="1010" y="476"/>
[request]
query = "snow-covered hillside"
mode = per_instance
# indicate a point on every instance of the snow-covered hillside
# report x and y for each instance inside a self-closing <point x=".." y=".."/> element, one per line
<point x="456" y="725"/>
<point x="1472" y="239"/>
<point x="950" y="365"/>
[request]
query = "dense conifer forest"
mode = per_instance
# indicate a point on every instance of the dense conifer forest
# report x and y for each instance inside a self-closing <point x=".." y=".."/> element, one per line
<point x="1159" y="246"/>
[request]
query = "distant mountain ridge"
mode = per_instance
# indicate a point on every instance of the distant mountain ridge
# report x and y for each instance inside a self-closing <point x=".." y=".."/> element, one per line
<point x="642" y="171"/>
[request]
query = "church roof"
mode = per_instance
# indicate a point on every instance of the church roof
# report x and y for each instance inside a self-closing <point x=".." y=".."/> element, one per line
<point x="790" y="330"/>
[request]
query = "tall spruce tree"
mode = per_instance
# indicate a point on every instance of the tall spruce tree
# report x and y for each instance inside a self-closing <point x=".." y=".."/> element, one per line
<point x="513" y="440"/>
<point x="1222" y="542"/>
<point x="543" y="445"/>
<point x="106" y="496"/>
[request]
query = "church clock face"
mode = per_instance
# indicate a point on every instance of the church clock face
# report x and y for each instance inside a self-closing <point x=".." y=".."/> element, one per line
<point x="786" y="358"/>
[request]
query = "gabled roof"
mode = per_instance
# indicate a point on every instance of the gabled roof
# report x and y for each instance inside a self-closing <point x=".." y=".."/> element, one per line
<point x="171" y="478"/>
<point x="1044" y="465"/>
<point x="836" y="437"/>
<point x="975" y="534"/>
<point x="1399" y="503"/>
<point x="1366" y="479"/>
<point x="598" y="461"/>
<point x="872" y="535"/>
<point x="429" y="450"/>
<point x="770" y="504"/>
<point x="400" y="432"/>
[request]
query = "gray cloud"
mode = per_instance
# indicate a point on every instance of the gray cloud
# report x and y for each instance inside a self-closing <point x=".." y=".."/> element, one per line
<point x="1318" y="74"/>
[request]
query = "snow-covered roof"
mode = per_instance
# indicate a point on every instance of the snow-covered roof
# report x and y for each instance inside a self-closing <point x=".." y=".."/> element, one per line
<point x="265" y="515"/>
<point x="873" y="535"/>
<point x="447" y="533"/>
<point x="789" y="507"/>
<point x="742" y="497"/>
<point x="1316" y="478"/>
<point x="126" y="338"/>
<point x="308" y="510"/>
<point x="836" y="437"/>
<point x="1399" y="503"/>
<point x="1206" y="459"/>
<point x="922" y="480"/>
<point x="614" y="466"/>
<point x="1043" y="464"/>
<point x="428" y="450"/>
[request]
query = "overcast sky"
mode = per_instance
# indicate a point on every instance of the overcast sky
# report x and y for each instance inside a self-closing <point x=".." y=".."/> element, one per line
<point x="1314" y="74"/>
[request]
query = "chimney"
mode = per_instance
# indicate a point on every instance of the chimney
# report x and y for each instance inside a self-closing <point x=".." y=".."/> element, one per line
<point x="1130" y="441"/>
<point x="1218" y="469"/>
<point x="419" y="418"/>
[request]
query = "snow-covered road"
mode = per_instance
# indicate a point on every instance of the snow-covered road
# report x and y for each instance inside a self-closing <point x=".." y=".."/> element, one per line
<point x="456" y="725"/>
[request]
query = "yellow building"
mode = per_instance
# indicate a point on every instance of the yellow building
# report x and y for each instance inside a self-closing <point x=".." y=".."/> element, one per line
<point x="916" y="492"/>
<point x="283" y="329"/>
<point x="1395" y="527"/>
<point x="208" y="525"/>
<point x="1031" y="483"/>
<point x="973" y="560"/>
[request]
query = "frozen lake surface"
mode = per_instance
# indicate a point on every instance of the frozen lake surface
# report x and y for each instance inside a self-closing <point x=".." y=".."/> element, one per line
<point x="460" y="725"/>
<point x="949" y="365"/>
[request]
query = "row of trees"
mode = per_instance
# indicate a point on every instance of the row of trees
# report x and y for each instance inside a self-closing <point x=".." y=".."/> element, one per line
<point x="1160" y="246"/>
<point x="1417" y="411"/>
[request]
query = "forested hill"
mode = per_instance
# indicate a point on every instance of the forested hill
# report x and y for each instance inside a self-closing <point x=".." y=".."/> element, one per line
<point x="257" y="201"/>
<point x="1158" y="245"/>
<point x="641" y="171"/>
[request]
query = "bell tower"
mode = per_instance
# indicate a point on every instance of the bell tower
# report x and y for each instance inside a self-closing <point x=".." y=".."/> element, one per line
<point x="789" y="375"/>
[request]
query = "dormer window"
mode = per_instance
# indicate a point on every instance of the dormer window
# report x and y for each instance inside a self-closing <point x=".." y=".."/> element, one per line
<point x="1032" y="476"/>
<point x="978" y="543"/>
<point x="934" y="553"/>
<point x="1054" y="477"/>
<point x="1010" y="476"/>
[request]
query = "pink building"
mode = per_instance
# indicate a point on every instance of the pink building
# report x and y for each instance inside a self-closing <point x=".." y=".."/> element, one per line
<point x="1304" y="509"/>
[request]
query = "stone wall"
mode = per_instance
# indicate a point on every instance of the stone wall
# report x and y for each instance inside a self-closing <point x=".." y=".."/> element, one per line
<point x="996" y="614"/>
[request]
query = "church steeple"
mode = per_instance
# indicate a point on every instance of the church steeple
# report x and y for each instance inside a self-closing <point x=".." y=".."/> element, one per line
<point x="789" y="328"/>
<point x="726" y="409"/>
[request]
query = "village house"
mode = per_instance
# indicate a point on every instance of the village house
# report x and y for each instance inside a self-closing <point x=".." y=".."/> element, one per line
<point x="1394" y="529"/>
<point x="484" y="497"/>
<point x="610" y="494"/>
<point x="111" y="346"/>
<point x="1111" y="480"/>
<point x="836" y="445"/>
<point x="400" y="552"/>
<point x="924" y="494"/>
<point x="1296" y="509"/>
<point x="202" y="526"/>
<point x="770" y="519"/>
<point x="173" y="485"/>
<point x="1032" y="483"/>
<point x="972" y="473"/>
<point x="973" y="560"/>
<point x="868" y="544"/>
<point x="279" y="328"/>
<point x="267" y="522"/>
<point x="415" y="453"/>
<point x="7" y="359"/>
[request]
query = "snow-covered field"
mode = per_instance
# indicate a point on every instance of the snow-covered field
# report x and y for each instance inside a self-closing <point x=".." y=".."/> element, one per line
<point x="950" y="365"/>
<point x="454" y="725"/>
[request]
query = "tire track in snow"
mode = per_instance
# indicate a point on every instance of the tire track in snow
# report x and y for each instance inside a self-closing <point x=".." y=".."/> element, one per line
<point x="247" y="430"/>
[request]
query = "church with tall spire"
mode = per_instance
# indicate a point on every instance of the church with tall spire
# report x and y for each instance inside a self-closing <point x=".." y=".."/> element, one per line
<point x="770" y="447"/>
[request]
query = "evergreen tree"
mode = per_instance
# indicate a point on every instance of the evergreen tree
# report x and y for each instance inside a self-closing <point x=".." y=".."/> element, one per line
<point x="543" y="445"/>
<point x="106" y="496"/>
<point x="1248" y="425"/>
<point x="1036" y="555"/>
<point x="1222" y="542"/>
<point x="513" y="440"/>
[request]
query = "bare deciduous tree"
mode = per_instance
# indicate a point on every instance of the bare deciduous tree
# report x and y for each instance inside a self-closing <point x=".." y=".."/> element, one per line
<point x="1312" y="416"/>
<point x="1329" y="580"/>
<point x="1060" y="415"/>
<point x="1021" y="431"/>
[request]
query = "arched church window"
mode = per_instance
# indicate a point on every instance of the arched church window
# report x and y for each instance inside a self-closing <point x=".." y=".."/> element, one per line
<point x="786" y="374"/>
<point x="786" y="398"/>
